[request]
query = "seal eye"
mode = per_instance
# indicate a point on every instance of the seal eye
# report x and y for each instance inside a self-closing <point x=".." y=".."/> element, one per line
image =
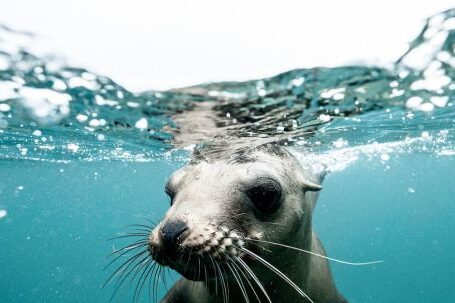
<point x="265" y="195"/>
<point x="170" y="193"/>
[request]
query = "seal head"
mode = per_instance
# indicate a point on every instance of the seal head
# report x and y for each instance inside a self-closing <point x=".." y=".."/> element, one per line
<point x="219" y="206"/>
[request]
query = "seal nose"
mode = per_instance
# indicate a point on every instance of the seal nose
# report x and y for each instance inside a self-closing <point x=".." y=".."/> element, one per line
<point x="170" y="233"/>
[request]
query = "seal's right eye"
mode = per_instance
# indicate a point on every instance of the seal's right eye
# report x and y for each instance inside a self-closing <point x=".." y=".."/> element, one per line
<point x="265" y="195"/>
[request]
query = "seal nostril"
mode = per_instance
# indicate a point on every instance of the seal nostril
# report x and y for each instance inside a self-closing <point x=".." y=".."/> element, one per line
<point x="171" y="231"/>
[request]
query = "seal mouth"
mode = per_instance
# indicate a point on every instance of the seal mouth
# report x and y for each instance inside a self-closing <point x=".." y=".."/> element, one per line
<point x="200" y="268"/>
<point x="203" y="255"/>
<point x="194" y="266"/>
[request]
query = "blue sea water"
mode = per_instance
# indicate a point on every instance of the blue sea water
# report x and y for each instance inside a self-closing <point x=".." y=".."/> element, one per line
<point x="54" y="239"/>
<point x="81" y="158"/>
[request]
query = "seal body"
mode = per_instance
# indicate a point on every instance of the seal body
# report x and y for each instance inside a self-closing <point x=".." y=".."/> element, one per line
<point x="229" y="229"/>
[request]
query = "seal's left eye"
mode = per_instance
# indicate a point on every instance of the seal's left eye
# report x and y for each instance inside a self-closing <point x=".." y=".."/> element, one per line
<point x="170" y="193"/>
<point x="265" y="195"/>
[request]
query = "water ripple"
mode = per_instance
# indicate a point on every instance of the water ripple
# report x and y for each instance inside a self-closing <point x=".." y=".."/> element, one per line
<point x="50" y="111"/>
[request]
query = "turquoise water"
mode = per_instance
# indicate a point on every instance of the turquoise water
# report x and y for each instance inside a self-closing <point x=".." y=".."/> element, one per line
<point x="54" y="243"/>
<point x="81" y="158"/>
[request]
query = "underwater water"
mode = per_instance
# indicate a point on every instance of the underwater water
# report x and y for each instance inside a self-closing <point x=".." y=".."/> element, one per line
<point x="81" y="158"/>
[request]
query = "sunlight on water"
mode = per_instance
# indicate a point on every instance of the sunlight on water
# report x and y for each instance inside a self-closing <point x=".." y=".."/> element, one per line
<point x="53" y="112"/>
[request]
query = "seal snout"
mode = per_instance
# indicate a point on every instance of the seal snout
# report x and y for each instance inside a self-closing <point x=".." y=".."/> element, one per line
<point x="171" y="234"/>
<point x="165" y="244"/>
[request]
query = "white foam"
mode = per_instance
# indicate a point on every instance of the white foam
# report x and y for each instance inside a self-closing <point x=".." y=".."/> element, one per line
<point x="44" y="104"/>
<point x="141" y="123"/>
<point x="340" y="158"/>
<point x="3" y="213"/>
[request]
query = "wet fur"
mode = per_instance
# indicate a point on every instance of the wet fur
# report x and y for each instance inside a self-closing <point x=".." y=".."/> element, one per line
<point x="208" y="192"/>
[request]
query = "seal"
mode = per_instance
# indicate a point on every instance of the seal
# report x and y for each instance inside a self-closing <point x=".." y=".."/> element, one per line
<point x="231" y="223"/>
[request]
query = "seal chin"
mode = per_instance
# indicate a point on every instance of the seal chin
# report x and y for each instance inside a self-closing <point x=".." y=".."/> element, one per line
<point x="192" y="267"/>
<point x="200" y="270"/>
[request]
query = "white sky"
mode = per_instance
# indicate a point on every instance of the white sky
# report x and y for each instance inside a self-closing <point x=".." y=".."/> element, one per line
<point x="149" y="44"/>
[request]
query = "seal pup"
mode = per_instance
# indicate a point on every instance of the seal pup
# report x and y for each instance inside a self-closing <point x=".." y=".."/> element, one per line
<point x="229" y="222"/>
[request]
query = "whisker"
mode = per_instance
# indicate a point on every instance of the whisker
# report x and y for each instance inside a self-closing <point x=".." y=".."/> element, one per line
<point x="238" y="215"/>
<point x="148" y="278"/>
<point x="316" y="254"/>
<point x="163" y="277"/>
<point x="128" y="261"/>
<point x="227" y="283"/>
<point x="137" y="267"/>
<point x="147" y="227"/>
<point x="132" y="235"/>
<point x="206" y="278"/>
<point x="192" y="284"/>
<point x="149" y="284"/>
<point x="121" y="279"/>
<point x="239" y="282"/>
<point x="168" y="272"/>
<point x="128" y="271"/>
<point x="199" y="268"/>
<point x="255" y="278"/>
<point x="260" y="247"/>
<point x="122" y="254"/>
<point x="278" y="272"/>
<point x="142" y="230"/>
<point x="223" y="285"/>
<point x="239" y="269"/>
<point x="271" y="223"/>
<point x="153" y="223"/>
<point x="127" y="248"/>
<point x="155" y="283"/>
<point x="142" y="280"/>
<point x="189" y="258"/>
<point x="215" y="273"/>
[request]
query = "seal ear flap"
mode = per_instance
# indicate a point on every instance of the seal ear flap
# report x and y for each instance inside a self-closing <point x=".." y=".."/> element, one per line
<point x="310" y="180"/>
<point x="310" y="186"/>
<point x="307" y="184"/>
<point x="311" y="191"/>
